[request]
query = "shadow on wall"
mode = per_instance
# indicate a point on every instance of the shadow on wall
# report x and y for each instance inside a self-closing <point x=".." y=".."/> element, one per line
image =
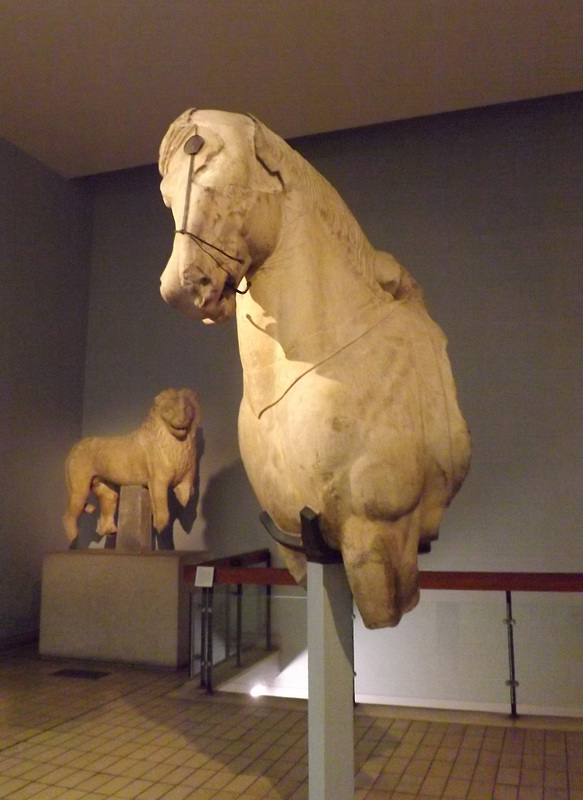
<point x="87" y="525"/>
<point x="186" y="516"/>
<point x="231" y="513"/>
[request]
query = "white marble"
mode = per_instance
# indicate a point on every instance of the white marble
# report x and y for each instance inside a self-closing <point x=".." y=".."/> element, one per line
<point x="349" y="404"/>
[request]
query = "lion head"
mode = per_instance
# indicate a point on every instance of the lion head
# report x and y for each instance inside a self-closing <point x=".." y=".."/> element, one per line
<point x="179" y="410"/>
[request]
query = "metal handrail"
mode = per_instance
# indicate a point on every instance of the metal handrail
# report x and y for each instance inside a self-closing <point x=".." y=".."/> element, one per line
<point x="239" y="570"/>
<point x="503" y="581"/>
<point x="238" y="564"/>
<point x="457" y="581"/>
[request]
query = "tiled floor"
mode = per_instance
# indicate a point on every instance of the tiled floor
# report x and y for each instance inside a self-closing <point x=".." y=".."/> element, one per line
<point x="135" y="733"/>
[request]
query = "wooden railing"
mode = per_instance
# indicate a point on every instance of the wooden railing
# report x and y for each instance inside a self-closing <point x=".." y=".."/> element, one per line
<point x="240" y="570"/>
<point x="228" y="570"/>
<point x="503" y="581"/>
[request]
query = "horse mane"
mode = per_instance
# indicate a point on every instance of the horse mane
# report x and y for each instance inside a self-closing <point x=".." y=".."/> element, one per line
<point x="295" y="172"/>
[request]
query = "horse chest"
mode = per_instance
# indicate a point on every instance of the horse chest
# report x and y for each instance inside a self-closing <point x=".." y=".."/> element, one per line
<point x="346" y="435"/>
<point x="304" y="450"/>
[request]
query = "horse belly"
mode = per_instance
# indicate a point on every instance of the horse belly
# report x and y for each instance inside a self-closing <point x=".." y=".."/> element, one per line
<point x="290" y="464"/>
<point x="374" y="431"/>
<point x="332" y="443"/>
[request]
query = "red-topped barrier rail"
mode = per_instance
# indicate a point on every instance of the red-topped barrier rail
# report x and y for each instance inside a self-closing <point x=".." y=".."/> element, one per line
<point x="241" y="569"/>
<point x="228" y="572"/>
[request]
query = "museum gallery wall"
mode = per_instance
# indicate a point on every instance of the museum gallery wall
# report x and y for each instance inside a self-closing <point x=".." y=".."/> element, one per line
<point x="45" y="236"/>
<point x="485" y="209"/>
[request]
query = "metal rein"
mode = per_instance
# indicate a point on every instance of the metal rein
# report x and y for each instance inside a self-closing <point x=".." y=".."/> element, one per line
<point x="200" y="241"/>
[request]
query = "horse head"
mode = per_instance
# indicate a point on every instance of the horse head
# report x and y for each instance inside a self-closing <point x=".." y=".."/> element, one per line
<point x="223" y="197"/>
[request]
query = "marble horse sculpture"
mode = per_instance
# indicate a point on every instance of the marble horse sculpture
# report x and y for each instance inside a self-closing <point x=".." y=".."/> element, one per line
<point x="160" y="454"/>
<point x="349" y="405"/>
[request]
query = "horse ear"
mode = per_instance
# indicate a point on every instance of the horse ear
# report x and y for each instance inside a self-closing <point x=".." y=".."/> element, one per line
<point x="269" y="150"/>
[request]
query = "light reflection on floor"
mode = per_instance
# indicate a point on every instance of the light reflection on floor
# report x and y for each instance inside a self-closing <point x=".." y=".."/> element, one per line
<point x="267" y="678"/>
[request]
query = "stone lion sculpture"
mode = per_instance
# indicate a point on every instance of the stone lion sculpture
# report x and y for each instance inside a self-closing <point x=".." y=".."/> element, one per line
<point x="160" y="454"/>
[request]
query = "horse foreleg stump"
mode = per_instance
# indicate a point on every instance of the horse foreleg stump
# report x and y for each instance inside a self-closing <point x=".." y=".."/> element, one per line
<point x="380" y="559"/>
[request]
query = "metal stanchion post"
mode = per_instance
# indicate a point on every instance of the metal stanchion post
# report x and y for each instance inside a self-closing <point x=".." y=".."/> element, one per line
<point x="511" y="682"/>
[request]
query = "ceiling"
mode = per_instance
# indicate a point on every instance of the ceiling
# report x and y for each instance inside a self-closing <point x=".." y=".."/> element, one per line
<point x="90" y="86"/>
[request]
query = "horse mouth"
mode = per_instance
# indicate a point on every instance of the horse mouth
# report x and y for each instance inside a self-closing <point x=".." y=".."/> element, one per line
<point x="228" y="291"/>
<point x="223" y="308"/>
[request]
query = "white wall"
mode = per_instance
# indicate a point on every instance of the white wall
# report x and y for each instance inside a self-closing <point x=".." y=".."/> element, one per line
<point x="485" y="209"/>
<point x="44" y="255"/>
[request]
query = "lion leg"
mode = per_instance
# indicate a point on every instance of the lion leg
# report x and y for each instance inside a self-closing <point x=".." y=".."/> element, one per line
<point x="184" y="490"/>
<point x="78" y="487"/>
<point x="380" y="557"/>
<point x="159" y="499"/>
<point x="108" y="498"/>
<point x="72" y="514"/>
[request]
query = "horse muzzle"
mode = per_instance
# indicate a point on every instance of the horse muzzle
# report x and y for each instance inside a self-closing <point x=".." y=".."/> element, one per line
<point x="194" y="293"/>
<point x="176" y="296"/>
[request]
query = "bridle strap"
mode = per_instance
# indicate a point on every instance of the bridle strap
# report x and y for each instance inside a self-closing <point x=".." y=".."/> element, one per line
<point x="199" y="240"/>
<point x="188" y="189"/>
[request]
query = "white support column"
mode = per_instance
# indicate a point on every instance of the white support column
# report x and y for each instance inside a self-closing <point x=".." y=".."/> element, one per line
<point x="330" y="684"/>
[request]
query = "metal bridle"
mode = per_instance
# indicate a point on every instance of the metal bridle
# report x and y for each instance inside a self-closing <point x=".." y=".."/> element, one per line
<point x="191" y="148"/>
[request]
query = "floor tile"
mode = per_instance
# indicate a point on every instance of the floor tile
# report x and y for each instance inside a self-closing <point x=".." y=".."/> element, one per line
<point x="131" y="737"/>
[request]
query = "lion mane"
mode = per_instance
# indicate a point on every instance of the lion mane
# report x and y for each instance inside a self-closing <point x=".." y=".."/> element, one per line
<point x="160" y="454"/>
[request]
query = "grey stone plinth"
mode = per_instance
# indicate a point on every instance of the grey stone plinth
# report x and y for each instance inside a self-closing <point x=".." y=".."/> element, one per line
<point x="134" y="521"/>
<point x="110" y="606"/>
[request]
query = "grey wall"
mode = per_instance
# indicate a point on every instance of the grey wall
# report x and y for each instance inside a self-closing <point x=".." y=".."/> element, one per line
<point x="486" y="209"/>
<point x="44" y="257"/>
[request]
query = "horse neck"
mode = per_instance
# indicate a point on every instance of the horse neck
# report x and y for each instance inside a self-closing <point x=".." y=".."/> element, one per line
<point x="308" y="296"/>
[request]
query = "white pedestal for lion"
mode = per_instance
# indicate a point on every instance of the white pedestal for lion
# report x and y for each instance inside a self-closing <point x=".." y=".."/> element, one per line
<point x="109" y="606"/>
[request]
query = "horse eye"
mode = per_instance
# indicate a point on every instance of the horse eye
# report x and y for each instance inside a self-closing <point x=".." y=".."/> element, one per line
<point x="193" y="145"/>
